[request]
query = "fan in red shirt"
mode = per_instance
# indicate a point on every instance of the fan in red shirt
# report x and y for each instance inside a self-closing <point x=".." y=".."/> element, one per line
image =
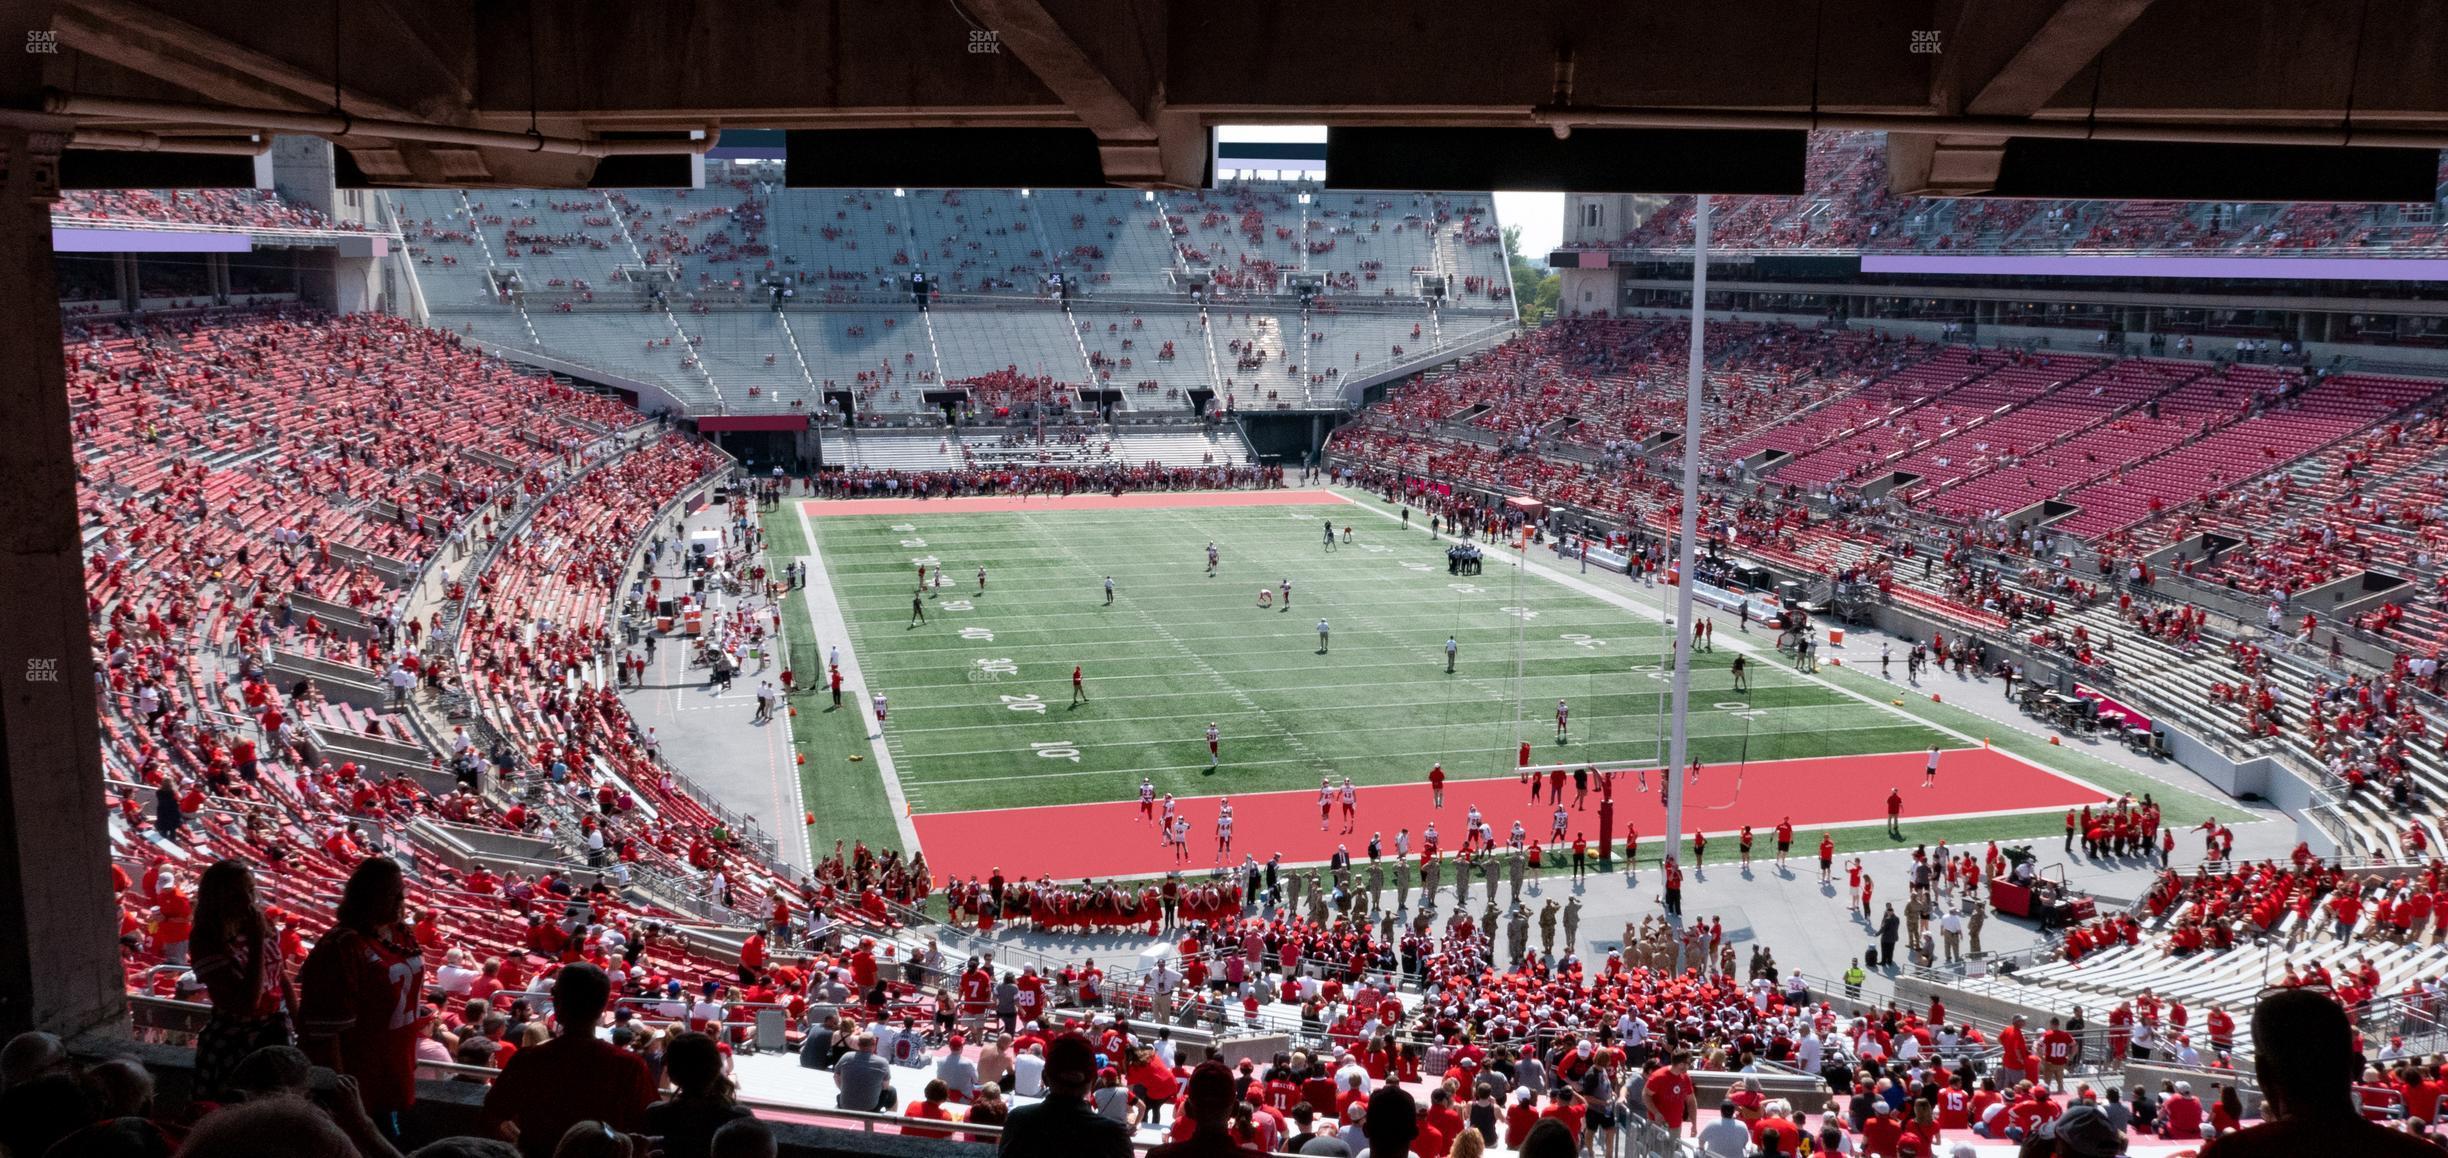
<point x="931" y="1109"/>
<point x="576" y="1077"/>
<point x="357" y="992"/>
<point x="2056" y="1053"/>
<point x="1671" y="1098"/>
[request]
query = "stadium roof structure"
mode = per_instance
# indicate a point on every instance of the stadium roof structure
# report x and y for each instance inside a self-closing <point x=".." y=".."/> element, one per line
<point x="566" y="92"/>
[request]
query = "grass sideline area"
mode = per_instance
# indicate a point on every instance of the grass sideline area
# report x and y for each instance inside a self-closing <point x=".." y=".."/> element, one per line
<point x="846" y="798"/>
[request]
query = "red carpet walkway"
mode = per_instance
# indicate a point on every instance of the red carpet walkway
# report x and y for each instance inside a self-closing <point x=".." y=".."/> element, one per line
<point x="1071" y="841"/>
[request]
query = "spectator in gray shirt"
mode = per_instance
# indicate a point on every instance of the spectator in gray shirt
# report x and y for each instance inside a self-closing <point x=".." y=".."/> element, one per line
<point x="1530" y="1074"/>
<point x="1725" y="1137"/>
<point x="956" y="1071"/>
<point x="1007" y="1003"/>
<point x="2119" y="1114"/>
<point x="863" y="1078"/>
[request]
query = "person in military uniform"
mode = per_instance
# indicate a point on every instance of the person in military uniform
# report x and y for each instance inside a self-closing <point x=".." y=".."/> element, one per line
<point x="1572" y="925"/>
<point x="1547" y="927"/>
<point x="1519" y="865"/>
<point x="1517" y="933"/>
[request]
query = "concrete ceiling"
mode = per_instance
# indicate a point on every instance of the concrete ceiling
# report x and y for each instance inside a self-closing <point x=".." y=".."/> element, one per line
<point x="1150" y="77"/>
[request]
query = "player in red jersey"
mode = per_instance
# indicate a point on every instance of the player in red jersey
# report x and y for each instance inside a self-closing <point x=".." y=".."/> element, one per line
<point x="357" y="992"/>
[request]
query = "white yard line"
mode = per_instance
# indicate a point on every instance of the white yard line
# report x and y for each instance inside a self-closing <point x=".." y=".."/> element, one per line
<point x="825" y="618"/>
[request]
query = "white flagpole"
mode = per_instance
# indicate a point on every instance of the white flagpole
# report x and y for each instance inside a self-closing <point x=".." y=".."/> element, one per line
<point x="1679" y="746"/>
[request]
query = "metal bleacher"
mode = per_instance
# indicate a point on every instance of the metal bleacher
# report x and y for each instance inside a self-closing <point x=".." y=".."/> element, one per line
<point x="1035" y="340"/>
<point x="1181" y="447"/>
<point x="1112" y="240"/>
<point x="846" y="240"/>
<point x="977" y="240"/>
<point x="1148" y="379"/>
<point x="868" y="346"/>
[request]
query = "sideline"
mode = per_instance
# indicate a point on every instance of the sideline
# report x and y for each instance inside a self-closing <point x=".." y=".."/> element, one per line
<point x="825" y="619"/>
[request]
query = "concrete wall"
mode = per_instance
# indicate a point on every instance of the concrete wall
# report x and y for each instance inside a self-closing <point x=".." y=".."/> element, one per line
<point x="1585" y="291"/>
<point x="302" y="172"/>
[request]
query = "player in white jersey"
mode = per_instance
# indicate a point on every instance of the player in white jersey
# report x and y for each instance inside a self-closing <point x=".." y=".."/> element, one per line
<point x="1287" y="593"/>
<point x="1147" y="799"/>
<point x="1563" y="718"/>
<point x="1224" y="823"/>
<point x="1325" y="801"/>
<point x="1474" y="816"/>
<point x="1181" y="839"/>
<point x="1521" y="835"/>
<point x="1563" y="820"/>
<point x="1402" y="843"/>
<point x="981" y="580"/>
<point x="1165" y="819"/>
<point x="1212" y="737"/>
<point x="1211" y="558"/>
<point x="1351" y="806"/>
<point x="1224" y="807"/>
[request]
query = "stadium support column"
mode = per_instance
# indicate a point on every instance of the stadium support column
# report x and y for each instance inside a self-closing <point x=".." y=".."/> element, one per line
<point x="1678" y="748"/>
<point x="59" y="961"/>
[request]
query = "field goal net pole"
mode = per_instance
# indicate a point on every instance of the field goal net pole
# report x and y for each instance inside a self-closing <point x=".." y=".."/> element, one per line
<point x="1678" y="749"/>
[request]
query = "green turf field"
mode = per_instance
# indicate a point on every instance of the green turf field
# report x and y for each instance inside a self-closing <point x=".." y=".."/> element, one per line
<point x="980" y="694"/>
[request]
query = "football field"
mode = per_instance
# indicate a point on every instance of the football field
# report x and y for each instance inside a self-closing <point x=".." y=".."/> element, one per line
<point x="983" y="717"/>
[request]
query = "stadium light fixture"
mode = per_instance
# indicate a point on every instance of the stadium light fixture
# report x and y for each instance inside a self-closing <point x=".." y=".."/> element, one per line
<point x="1024" y="192"/>
<point x="900" y="193"/>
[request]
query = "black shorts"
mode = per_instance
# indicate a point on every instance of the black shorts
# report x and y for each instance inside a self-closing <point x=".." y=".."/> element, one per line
<point x="1784" y="846"/>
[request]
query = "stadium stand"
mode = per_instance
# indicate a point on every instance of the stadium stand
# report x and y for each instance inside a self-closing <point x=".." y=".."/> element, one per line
<point x="565" y="275"/>
<point x="1846" y="208"/>
<point x="254" y="209"/>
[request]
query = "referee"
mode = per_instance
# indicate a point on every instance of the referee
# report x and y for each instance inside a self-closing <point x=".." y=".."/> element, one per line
<point x="1450" y="648"/>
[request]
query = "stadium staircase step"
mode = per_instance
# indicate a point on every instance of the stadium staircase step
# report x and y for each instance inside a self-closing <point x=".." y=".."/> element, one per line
<point x="351" y="685"/>
<point x="798" y="358"/>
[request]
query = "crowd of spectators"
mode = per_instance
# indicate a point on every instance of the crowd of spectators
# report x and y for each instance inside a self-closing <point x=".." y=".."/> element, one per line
<point x="1845" y="205"/>
<point x="241" y="208"/>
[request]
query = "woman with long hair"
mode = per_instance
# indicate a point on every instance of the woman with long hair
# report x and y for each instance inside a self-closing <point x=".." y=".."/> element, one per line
<point x="1468" y="1144"/>
<point x="702" y="1099"/>
<point x="357" y="993"/>
<point x="2227" y="1111"/>
<point x="988" y="1110"/>
<point x="238" y="958"/>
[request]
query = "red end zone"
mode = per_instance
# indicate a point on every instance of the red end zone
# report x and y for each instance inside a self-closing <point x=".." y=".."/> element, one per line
<point x="1111" y="840"/>
<point x="1003" y="504"/>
